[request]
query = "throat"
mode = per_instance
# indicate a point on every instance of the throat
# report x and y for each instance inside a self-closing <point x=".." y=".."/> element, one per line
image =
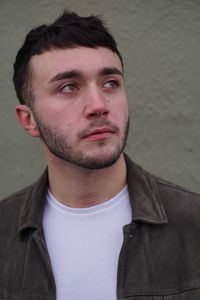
<point x="88" y="187"/>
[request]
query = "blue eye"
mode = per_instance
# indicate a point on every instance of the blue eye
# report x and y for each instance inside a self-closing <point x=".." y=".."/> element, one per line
<point x="111" y="84"/>
<point x="69" y="88"/>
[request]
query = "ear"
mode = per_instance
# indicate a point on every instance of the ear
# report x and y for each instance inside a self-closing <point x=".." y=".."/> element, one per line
<point x="26" y="120"/>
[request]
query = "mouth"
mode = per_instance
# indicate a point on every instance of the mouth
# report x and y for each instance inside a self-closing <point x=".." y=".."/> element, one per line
<point x="99" y="134"/>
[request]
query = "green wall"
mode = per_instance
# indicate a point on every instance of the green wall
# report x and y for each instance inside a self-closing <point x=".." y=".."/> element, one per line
<point x="160" y="42"/>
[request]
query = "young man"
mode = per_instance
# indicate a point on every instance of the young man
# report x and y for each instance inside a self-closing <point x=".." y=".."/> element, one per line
<point x="95" y="226"/>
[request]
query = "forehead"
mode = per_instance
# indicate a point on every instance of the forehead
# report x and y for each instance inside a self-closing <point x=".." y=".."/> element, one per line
<point x="87" y="60"/>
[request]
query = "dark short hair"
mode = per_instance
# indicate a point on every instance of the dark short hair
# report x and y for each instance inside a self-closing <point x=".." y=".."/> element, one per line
<point x="68" y="31"/>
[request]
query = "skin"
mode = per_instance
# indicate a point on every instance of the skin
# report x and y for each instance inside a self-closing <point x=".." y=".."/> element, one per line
<point x="80" y="113"/>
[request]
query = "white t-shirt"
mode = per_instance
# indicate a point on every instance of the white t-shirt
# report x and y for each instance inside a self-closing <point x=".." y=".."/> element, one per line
<point x="84" y="246"/>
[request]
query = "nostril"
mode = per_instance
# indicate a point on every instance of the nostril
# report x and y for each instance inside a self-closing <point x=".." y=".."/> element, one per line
<point x="98" y="114"/>
<point x="105" y="113"/>
<point x="96" y="108"/>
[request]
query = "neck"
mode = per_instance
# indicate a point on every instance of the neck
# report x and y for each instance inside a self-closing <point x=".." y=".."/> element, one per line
<point x="79" y="187"/>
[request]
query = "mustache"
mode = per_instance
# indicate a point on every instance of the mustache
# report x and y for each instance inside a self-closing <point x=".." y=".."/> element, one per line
<point x="98" y="123"/>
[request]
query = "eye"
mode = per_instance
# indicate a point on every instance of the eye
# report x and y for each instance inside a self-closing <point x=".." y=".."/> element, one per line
<point x="69" y="88"/>
<point x="111" y="84"/>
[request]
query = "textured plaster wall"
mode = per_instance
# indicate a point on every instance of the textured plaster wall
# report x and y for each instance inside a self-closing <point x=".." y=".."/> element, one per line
<point x="160" y="42"/>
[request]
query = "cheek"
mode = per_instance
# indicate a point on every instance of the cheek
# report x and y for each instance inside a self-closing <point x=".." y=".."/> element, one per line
<point x="123" y="103"/>
<point x="56" y="116"/>
<point x="122" y="111"/>
<point x="68" y="124"/>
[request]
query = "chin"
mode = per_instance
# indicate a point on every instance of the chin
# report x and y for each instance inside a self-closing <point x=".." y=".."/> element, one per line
<point x="100" y="161"/>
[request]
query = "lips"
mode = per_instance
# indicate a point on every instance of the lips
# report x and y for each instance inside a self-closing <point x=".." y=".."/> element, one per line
<point x="99" y="134"/>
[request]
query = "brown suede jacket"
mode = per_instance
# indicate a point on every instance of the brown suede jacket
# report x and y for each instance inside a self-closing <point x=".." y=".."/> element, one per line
<point x="159" y="259"/>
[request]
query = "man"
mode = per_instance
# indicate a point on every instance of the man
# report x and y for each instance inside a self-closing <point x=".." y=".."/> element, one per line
<point x="95" y="225"/>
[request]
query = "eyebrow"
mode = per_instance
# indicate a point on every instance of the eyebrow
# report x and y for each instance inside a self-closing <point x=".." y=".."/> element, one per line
<point x="111" y="71"/>
<point x="66" y="75"/>
<point x="77" y="74"/>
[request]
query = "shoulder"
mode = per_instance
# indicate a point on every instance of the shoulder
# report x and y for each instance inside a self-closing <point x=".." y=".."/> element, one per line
<point x="178" y="201"/>
<point x="165" y="186"/>
<point x="169" y="192"/>
<point x="27" y="199"/>
<point x="11" y="206"/>
<point x="16" y="198"/>
<point x="10" y="212"/>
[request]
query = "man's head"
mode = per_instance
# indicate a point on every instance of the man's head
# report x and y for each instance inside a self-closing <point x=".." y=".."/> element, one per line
<point x="69" y="79"/>
<point x="68" y="31"/>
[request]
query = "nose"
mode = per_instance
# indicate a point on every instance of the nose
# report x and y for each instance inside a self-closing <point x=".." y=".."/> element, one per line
<point x="96" y="103"/>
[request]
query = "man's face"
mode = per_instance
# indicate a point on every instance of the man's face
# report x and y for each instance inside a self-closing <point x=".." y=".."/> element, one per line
<point x="80" y="105"/>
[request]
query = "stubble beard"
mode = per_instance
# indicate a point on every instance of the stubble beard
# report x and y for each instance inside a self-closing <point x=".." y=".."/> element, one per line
<point x="58" y="145"/>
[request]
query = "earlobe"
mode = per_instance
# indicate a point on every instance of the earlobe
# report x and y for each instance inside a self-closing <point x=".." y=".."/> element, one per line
<point x="26" y="120"/>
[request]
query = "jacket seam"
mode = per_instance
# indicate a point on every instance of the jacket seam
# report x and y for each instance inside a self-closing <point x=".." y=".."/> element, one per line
<point x="156" y="292"/>
<point x="174" y="186"/>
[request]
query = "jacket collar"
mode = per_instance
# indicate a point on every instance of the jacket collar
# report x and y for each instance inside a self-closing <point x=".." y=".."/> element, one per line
<point x="145" y="201"/>
<point x="32" y="211"/>
<point x="144" y="197"/>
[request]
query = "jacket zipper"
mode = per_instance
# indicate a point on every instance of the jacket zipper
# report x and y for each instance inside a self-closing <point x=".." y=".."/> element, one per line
<point x="128" y="234"/>
<point x="39" y="239"/>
